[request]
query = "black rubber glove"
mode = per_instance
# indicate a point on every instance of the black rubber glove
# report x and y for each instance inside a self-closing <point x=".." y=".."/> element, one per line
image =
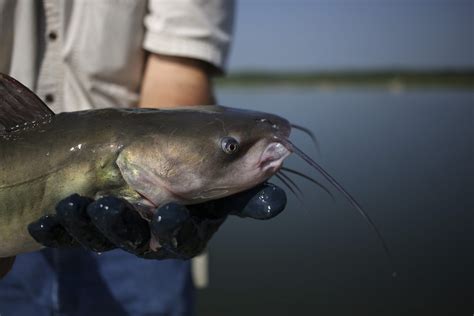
<point x="182" y="231"/>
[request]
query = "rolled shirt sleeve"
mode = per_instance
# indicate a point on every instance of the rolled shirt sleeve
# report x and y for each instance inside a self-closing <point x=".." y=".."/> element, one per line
<point x="199" y="29"/>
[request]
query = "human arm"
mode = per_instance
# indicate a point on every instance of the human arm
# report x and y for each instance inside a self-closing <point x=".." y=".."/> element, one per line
<point x="171" y="81"/>
<point x="188" y="43"/>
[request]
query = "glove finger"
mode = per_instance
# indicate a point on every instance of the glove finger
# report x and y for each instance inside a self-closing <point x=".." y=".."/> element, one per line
<point x="180" y="235"/>
<point x="167" y="221"/>
<point x="119" y="221"/>
<point x="261" y="202"/>
<point x="194" y="235"/>
<point x="183" y="232"/>
<point x="72" y="214"/>
<point x="266" y="202"/>
<point x="186" y="247"/>
<point x="48" y="232"/>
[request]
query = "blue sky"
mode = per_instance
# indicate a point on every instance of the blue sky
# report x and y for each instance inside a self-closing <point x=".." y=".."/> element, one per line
<point x="341" y="34"/>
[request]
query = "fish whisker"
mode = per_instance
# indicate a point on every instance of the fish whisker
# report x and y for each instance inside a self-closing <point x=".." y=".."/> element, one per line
<point x="279" y="176"/>
<point x="348" y="196"/>
<point x="309" y="179"/>
<point x="308" y="132"/>
<point x="287" y="178"/>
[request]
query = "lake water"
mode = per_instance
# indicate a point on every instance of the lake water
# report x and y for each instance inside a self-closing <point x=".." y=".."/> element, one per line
<point x="407" y="157"/>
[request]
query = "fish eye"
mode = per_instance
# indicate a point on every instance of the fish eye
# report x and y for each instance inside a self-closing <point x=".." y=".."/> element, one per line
<point x="229" y="145"/>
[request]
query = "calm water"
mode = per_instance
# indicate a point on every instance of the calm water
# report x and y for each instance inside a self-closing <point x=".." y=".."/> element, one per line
<point x="408" y="159"/>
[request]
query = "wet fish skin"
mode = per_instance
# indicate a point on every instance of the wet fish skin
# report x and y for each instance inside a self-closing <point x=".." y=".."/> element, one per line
<point x="77" y="153"/>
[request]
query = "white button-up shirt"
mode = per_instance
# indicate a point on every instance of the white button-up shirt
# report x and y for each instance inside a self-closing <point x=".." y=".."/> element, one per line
<point x="83" y="54"/>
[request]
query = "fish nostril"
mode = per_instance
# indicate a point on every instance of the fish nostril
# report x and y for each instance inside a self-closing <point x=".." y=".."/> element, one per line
<point x="264" y="120"/>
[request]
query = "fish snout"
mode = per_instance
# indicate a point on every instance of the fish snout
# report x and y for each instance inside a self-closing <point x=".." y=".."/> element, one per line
<point x="273" y="157"/>
<point x="278" y="126"/>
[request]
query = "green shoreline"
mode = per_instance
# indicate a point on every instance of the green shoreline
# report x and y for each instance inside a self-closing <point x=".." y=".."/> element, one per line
<point x="394" y="79"/>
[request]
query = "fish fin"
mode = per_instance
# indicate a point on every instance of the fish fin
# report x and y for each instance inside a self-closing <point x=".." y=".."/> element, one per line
<point x="20" y="108"/>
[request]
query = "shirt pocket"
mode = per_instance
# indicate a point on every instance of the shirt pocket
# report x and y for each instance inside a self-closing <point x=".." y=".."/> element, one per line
<point x="103" y="42"/>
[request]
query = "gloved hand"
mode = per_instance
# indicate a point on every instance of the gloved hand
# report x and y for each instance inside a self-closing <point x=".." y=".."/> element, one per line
<point x="181" y="231"/>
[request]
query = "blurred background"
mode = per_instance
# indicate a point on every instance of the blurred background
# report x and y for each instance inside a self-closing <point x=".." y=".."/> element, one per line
<point x="387" y="86"/>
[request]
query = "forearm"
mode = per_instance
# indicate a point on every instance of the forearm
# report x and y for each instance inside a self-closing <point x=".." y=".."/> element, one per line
<point x="176" y="81"/>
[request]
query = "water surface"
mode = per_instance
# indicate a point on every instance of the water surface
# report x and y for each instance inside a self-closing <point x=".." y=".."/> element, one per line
<point x="408" y="159"/>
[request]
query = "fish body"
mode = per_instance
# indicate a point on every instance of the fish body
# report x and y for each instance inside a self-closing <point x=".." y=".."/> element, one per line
<point x="146" y="156"/>
<point x="73" y="153"/>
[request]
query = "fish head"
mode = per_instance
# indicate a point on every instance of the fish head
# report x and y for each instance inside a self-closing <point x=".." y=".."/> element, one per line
<point x="194" y="155"/>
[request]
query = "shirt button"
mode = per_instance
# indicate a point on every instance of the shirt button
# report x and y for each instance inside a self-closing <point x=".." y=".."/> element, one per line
<point x="49" y="98"/>
<point x="52" y="35"/>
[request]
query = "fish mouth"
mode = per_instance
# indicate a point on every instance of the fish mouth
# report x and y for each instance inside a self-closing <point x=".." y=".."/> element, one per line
<point x="273" y="156"/>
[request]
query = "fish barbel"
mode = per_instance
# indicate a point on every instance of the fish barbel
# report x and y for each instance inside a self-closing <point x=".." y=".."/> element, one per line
<point x="148" y="157"/>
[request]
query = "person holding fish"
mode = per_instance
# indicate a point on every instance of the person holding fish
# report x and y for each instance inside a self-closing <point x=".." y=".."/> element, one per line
<point x="82" y="55"/>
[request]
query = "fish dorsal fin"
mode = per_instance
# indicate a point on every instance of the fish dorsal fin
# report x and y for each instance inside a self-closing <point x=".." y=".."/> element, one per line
<point x="20" y="108"/>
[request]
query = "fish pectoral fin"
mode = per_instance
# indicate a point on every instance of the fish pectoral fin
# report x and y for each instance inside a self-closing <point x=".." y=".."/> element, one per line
<point x="20" y="108"/>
